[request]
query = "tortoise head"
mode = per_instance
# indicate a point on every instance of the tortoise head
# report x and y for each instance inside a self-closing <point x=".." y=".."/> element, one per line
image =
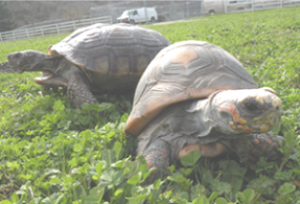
<point x="28" y="60"/>
<point x="246" y="110"/>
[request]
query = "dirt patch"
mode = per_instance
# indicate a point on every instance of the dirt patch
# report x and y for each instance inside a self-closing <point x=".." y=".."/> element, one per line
<point x="5" y="68"/>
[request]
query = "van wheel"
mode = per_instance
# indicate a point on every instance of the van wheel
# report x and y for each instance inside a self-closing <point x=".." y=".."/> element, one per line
<point x="211" y="12"/>
<point x="132" y="22"/>
<point x="153" y="20"/>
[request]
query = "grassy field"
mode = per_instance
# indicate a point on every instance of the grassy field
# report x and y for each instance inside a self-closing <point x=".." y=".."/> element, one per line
<point x="51" y="153"/>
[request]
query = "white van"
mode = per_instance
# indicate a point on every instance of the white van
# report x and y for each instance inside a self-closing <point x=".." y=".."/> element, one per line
<point x="215" y="6"/>
<point x="139" y="15"/>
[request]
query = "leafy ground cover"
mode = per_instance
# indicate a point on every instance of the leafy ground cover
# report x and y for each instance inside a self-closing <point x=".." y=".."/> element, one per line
<point x="51" y="153"/>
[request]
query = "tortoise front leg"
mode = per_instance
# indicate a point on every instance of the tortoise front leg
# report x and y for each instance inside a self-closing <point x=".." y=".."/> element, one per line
<point x="79" y="91"/>
<point x="254" y="146"/>
<point x="157" y="155"/>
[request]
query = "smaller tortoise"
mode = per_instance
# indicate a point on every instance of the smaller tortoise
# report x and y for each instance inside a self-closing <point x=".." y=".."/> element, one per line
<point x="196" y="96"/>
<point x="98" y="58"/>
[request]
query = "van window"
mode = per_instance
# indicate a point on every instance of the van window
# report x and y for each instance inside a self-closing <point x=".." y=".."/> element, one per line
<point x="130" y="13"/>
<point x="135" y="12"/>
<point x="125" y="13"/>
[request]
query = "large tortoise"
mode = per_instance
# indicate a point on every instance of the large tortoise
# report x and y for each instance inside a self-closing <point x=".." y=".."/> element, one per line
<point x="196" y="96"/>
<point x="98" y="58"/>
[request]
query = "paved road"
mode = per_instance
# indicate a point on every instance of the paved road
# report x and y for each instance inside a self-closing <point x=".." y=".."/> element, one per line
<point x="168" y="22"/>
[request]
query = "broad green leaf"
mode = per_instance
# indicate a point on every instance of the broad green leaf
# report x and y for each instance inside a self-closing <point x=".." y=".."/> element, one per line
<point x="286" y="188"/>
<point x="221" y="201"/>
<point x="223" y="187"/>
<point x="178" y="178"/>
<point x="14" y="198"/>
<point x="190" y="159"/>
<point x="118" y="177"/>
<point x="95" y="195"/>
<point x="126" y="170"/>
<point x="138" y="199"/>
<point x="118" y="192"/>
<point x="156" y="184"/>
<point x="55" y="180"/>
<point x="249" y="194"/>
<point x="118" y="149"/>
<point x="108" y="156"/>
<point x="290" y="137"/>
<point x="108" y="174"/>
<point x="183" y="196"/>
<point x="171" y="168"/>
<point x="186" y="171"/>
<point x="99" y="167"/>
<point x="120" y="163"/>
<point x="6" y="202"/>
<point x="134" y="179"/>
<point x="240" y="196"/>
<point x="297" y="171"/>
<point x="283" y="175"/>
<point x="213" y="196"/>
<point x="201" y="200"/>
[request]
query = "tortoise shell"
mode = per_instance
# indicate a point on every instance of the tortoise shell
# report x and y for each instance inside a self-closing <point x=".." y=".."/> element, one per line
<point x="111" y="56"/>
<point x="184" y="71"/>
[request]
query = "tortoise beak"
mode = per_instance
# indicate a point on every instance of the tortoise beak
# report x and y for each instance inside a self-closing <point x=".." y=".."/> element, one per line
<point x="266" y="122"/>
<point x="16" y="69"/>
<point x="271" y="117"/>
<point x="271" y="107"/>
<point x="51" y="80"/>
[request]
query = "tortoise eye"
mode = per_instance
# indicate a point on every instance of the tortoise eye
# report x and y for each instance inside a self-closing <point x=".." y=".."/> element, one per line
<point x="251" y="106"/>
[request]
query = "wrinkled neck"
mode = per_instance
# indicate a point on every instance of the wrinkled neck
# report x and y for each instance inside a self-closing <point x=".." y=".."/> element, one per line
<point x="222" y="120"/>
<point x="203" y="116"/>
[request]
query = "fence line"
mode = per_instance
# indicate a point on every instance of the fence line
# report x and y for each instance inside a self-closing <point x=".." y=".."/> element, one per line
<point x="258" y="5"/>
<point x="52" y="29"/>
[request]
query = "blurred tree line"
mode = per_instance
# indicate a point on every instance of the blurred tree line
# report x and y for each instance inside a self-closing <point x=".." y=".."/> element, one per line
<point x="14" y="14"/>
<point x="6" y="17"/>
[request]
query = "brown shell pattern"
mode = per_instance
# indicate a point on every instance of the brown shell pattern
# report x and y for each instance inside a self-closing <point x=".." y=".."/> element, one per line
<point x="111" y="56"/>
<point x="184" y="71"/>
